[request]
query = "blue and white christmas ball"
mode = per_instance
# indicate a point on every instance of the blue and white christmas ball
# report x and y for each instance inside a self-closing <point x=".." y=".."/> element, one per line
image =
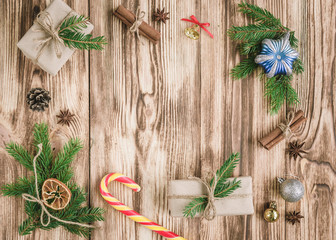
<point x="277" y="56"/>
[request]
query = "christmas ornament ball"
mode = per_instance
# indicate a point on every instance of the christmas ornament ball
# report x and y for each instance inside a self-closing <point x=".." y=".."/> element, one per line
<point x="291" y="190"/>
<point x="271" y="214"/>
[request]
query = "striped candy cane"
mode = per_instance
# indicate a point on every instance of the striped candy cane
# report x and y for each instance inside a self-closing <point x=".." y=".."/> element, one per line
<point x="129" y="212"/>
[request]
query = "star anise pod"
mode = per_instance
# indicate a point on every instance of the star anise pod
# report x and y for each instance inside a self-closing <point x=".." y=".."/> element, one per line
<point x="295" y="149"/>
<point x="161" y="15"/>
<point x="65" y="117"/>
<point x="293" y="217"/>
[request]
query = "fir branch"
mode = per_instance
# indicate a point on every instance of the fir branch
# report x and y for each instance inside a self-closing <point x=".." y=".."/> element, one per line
<point x="244" y="68"/>
<point x="226" y="169"/>
<point x="254" y="32"/>
<point x="78" y="230"/>
<point x="81" y="41"/>
<point x="298" y="66"/>
<point x="70" y="33"/>
<point x="65" y="157"/>
<point x="65" y="175"/>
<point x="251" y="47"/>
<point x="292" y="39"/>
<point x="41" y="135"/>
<point x="32" y="209"/>
<point x="195" y="206"/>
<point x="74" y="23"/>
<point x="20" y="154"/>
<point x="226" y="188"/>
<point x="89" y="215"/>
<point x="22" y="185"/>
<point x="277" y="89"/>
<point x="259" y="14"/>
<point x="27" y="226"/>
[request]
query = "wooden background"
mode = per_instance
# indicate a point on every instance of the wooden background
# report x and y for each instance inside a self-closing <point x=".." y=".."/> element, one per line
<point x="169" y="111"/>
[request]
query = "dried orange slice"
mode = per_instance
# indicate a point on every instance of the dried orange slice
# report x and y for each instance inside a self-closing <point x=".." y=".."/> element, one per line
<point x="55" y="194"/>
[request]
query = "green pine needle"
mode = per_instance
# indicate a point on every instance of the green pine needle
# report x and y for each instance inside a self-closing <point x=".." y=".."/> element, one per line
<point x="227" y="168"/>
<point x="298" y="66"/>
<point x="223" y="188"/>
<point x="70" y="33"/>
<point x="197" y="205"/>
<point x="41" y="135"/>
<point x="277" y="89"/>
<point x="247" y="48"/>
<point x="226" y="188"/>
<point x="82" y="41"/>
<point x="49" y="168"/>
<point x="244" y="68"/>
<point x="27" y="226"/>
<point x="66" y="156"/>
<point x="20" y="154"/>
<point x="22" y="185"/>
<point x="259" y="14"/>
<point x="254" y="32"/>
<point x="74" y="23"/>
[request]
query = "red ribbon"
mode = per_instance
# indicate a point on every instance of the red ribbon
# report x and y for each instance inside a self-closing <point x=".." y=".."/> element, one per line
<point x="202" y="25"/>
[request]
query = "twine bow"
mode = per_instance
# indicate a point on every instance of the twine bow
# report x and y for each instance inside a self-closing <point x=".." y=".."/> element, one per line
<point x="139" y="18"/>
<point x="47" y="24"/>
<point x="202" y="25"/>
<point x="37" y="199"/>
<point x="285" y="127"/>
<point x="210" y="210"/>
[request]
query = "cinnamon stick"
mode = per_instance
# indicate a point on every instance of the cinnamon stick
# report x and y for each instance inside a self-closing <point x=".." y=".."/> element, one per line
<point x="276" y="136"/>
<point x="128" y="18"/>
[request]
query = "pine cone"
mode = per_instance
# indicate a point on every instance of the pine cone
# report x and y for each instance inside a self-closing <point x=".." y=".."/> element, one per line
<point x="38" y="99"/>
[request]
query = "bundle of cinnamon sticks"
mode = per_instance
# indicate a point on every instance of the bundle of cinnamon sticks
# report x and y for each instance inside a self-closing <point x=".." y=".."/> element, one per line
<point x="128" y="18"/>
<point x="276" y="136"/>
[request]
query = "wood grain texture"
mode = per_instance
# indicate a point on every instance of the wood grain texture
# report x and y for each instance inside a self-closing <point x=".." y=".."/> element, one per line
<point x="171" y="110"/>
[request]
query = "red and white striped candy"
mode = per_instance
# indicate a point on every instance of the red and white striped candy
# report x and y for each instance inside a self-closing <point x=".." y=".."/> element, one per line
<point x="129" y="212"/>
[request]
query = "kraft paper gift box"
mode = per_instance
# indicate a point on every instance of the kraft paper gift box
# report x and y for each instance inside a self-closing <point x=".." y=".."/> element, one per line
<point x="240" y="202"/>
<point x="32" y="42"/>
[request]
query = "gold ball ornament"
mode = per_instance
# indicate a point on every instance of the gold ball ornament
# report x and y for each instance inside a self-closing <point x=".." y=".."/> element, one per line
<point x="192" y="32"/>
<point x="271" y="214"/>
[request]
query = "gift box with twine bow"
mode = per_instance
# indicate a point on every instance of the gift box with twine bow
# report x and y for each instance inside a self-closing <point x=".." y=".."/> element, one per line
<point x="181" y="192"/>
<point x="42" y="44"/>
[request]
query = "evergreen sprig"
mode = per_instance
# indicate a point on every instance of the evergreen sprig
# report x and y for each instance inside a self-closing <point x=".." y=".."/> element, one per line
<point x="58" y="168"/>
<point x="70" y="33"/>
<point x="278" y="88"/>
<point x="259" y="14"/>
<point x="223" y="188"/>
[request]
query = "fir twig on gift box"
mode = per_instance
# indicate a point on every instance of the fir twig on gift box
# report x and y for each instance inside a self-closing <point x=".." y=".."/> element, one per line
<point x="181" y="192"/>
<point x="43" y="45"/>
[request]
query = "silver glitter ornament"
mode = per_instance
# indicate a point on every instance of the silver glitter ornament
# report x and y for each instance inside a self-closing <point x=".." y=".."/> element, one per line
<point x="291" y="190"/>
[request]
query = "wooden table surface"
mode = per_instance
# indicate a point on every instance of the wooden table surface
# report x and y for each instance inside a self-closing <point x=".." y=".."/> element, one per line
<point x="171" y="110"/>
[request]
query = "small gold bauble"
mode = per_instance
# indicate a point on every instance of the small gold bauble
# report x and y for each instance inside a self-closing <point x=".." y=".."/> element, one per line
<point x="271" y="214"/>
<point x="192" y="32"/>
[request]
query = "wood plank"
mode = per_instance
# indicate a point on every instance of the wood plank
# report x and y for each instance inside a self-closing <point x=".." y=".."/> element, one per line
<point x="69" y="89"/>
<point x="171" y="111"/>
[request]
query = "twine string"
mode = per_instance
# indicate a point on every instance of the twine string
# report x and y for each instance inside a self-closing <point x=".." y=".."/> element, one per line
<point x="37" y="199"/>
<point x="139" y="18"/>
<point x="210" y="211"/>
<point x="285" y="127"/>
